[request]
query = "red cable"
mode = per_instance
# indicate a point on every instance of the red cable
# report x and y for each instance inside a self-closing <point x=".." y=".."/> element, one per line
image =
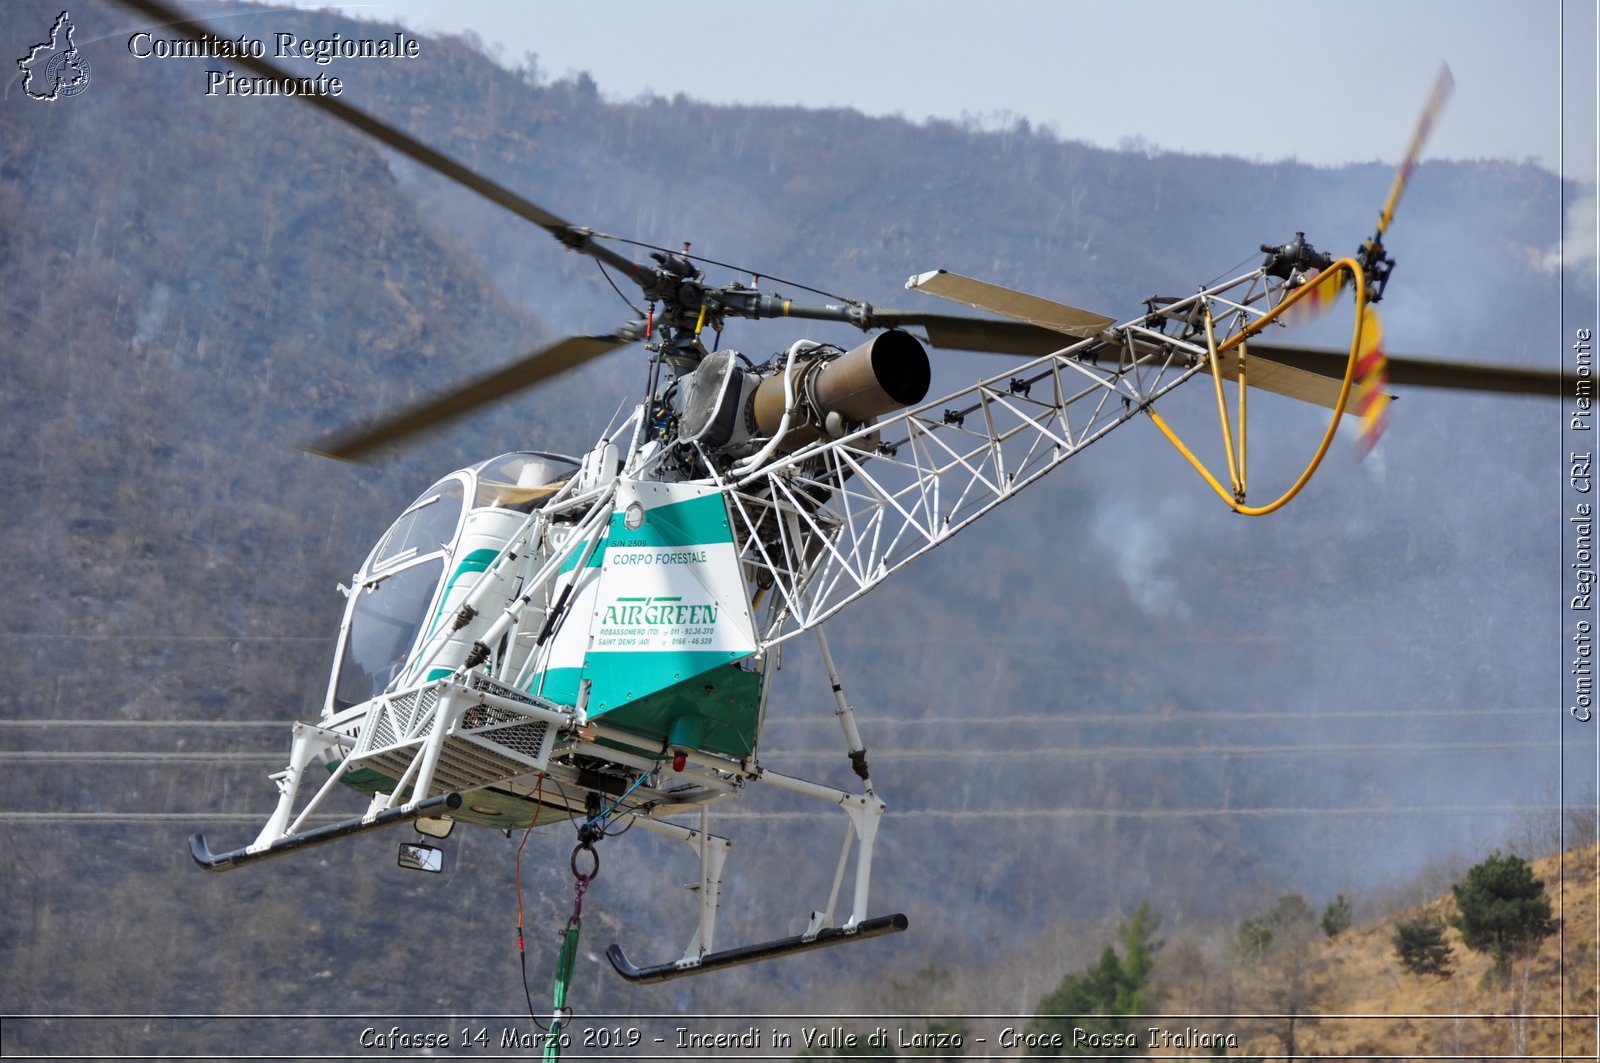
<point x="538" y="799"/>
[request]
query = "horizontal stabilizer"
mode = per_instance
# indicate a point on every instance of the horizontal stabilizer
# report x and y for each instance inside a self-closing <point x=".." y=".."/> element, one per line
<point x="870" y="928"/>
<point x="1264" y="372"/>
<point x="1020" y="306"/>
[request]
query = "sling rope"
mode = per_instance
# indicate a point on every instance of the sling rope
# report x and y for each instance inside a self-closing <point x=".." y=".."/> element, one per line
<point x="568" y="956"/>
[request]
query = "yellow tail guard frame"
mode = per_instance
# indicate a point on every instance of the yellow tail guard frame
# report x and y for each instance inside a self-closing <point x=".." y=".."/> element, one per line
<point x="1365" y="351"/>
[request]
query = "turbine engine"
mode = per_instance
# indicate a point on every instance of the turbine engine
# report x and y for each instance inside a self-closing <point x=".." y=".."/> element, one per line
<point x="811" y="393"/>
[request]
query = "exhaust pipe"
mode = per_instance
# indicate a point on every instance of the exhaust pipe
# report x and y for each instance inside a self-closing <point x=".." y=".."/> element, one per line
<point x="888" y="372"/>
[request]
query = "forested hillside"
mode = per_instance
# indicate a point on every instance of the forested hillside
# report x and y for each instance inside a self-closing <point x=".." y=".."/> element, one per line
<point x="1114" y="690"/>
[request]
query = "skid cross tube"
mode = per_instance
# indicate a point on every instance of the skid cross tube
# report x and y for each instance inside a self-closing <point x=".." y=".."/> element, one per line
<point x="332" y="832"/>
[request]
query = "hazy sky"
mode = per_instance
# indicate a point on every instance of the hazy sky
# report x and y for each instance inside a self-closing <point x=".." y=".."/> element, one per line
<point x="1324" y="83"/>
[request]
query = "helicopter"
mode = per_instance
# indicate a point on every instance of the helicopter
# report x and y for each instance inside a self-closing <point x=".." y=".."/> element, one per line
<point x="542" y="638"/>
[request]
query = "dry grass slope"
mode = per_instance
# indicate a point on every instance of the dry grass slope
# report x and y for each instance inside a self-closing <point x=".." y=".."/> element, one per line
<point x="1361" y="1004"/>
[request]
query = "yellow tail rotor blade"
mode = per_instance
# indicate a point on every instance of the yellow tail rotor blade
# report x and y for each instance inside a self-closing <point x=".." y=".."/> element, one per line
<point x="1372" y="380"/>
<point x="1325" y="291"/>
<point x="1442" y="87"/>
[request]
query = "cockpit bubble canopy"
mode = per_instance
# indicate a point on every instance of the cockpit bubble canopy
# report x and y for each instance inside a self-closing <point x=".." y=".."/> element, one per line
<point x="521" y="480"/>
<point x="398" y="587"/>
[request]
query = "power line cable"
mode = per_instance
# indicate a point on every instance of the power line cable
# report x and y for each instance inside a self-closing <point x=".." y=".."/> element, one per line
<point x="86" y="818"/>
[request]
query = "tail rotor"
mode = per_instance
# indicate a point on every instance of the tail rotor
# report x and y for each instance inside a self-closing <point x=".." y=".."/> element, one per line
<point x="1372" y="257"/>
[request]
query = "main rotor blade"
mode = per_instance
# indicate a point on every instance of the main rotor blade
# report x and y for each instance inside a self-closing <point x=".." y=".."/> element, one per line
<point x="569" y="235"/>
<point x="953" y="332"/>
<point x="1427" y="373"/>
<point x="540" y="365"/>
<point x="1008" y="302"/>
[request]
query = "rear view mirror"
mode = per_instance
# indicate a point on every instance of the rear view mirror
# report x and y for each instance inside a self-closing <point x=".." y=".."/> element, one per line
<point x="434" y="826"/>
<point x="414" y="856"/>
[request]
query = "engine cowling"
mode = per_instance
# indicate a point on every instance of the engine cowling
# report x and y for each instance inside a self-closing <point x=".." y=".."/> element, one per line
<point x="727" y="408"/>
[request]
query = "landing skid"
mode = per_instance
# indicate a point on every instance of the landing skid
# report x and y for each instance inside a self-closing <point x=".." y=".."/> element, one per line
<point x="863" y="811"/>
<point x="433" y="806"/>
<point x="828" y="936"/>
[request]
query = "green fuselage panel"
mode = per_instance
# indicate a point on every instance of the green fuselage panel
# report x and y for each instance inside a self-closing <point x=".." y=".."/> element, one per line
<point x="670" y="624"/>
<point x="718" y="710"/>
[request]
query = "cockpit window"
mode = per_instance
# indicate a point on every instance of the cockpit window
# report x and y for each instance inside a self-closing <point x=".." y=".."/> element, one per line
<point x="427" y="526"/>
<point x="383" y="627"/>
<point x="522" y="480"/>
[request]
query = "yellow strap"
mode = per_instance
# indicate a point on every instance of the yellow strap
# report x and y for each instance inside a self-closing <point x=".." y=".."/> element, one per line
<point x="1222" y="410"/>
<point x="1238" y="340"/>
<point x="1244" y="421"/>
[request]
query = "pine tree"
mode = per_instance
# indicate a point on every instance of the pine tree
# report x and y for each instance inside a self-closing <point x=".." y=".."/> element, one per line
<point x="1420" y="945"/>
<point x="1335" y="916"/>
<point x="1503" y="910"/>
<point x="1100" y="998"/>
